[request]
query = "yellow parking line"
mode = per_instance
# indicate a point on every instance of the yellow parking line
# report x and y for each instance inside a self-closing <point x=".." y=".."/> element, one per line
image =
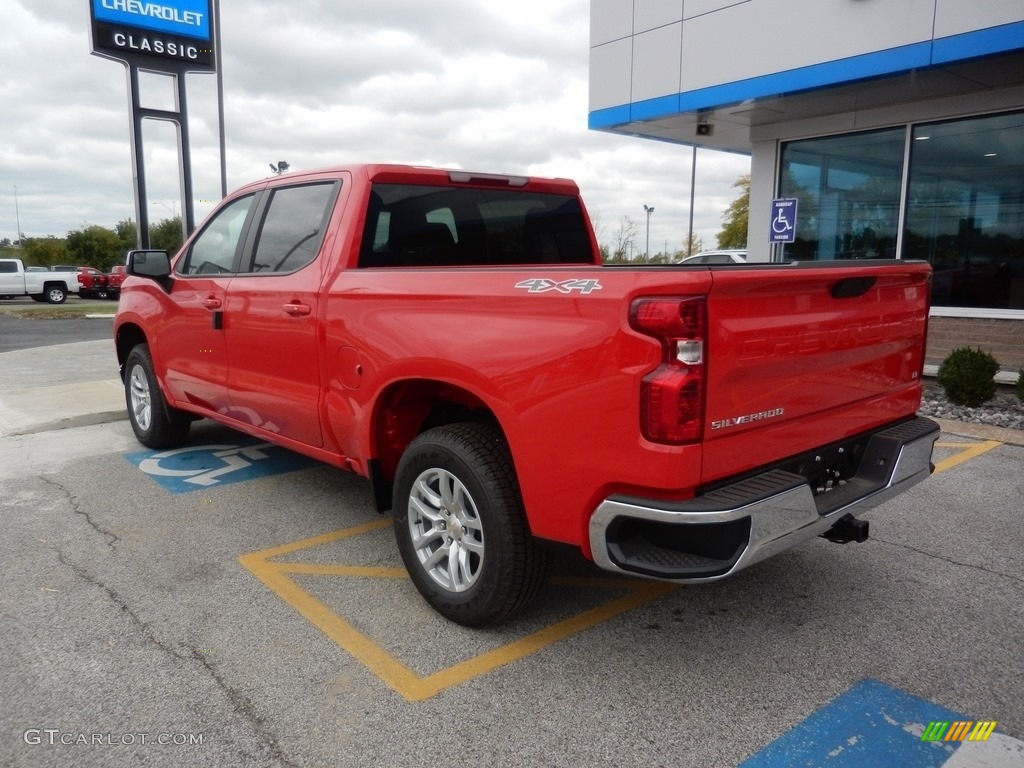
<point x="968" y="451"/>
<point x="392" y="671"/>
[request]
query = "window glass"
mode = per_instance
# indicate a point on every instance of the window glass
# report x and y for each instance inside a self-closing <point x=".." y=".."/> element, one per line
<point x="293" y="227"/>
<point x="965" y="210"/>
<point x="409" y="225"/>
<point x="8" y="266"/>
<point x="213" y="252"/>
<point x="848" y="189"/>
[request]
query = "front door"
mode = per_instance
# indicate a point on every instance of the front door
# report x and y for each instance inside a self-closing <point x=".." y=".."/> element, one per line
<point x="191" y="343"/>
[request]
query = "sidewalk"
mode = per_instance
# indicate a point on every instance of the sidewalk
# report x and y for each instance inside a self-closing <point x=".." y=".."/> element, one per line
<point x="60" y="386"/>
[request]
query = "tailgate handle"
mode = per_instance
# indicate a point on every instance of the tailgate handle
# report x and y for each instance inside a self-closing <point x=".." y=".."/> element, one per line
<point x="852" y="287"/>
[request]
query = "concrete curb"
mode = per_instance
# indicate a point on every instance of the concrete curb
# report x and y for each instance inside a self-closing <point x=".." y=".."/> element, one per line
<point x="61" y="406"/>
<point x="980" y="431"/>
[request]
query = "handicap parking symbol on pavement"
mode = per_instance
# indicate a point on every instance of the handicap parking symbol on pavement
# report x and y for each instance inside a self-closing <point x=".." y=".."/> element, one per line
<point x="873" y="724"/>
<point x="199" y="467"/>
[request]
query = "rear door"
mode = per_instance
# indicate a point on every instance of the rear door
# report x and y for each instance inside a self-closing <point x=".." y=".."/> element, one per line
<point x="272" y="313"/>
<point x="802" y="355"/>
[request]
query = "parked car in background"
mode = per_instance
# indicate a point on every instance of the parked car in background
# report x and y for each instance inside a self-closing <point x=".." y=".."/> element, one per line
<point x="94" y="283"/>
<point x="115" y="277"/>
<point x="18" y="280"/>
<point x="717" y="257"/>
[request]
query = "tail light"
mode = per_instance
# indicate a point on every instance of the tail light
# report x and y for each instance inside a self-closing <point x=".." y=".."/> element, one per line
<point x="672" y="395"/>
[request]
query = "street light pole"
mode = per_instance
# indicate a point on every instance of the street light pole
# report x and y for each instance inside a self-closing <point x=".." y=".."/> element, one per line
<point x="693" y="186"/>
<point x="649" y="210"/>
<point x="17" y="214"/>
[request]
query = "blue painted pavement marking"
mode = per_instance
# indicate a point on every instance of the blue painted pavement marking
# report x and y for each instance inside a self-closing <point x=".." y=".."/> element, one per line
<point x="198" y="467"/>
<point x="870" y="725"/>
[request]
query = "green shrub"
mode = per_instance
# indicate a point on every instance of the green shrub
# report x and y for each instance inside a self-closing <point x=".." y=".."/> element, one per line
<point x="967" y="375"/>
<point x="1019" y="389"/>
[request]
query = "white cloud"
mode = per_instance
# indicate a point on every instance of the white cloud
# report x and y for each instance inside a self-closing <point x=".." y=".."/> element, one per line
<point x="486" y="86"/>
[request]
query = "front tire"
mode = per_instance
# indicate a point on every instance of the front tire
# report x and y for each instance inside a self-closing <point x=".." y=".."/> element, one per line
<point x="460" y="526"/>
<point x="155" y="423"/>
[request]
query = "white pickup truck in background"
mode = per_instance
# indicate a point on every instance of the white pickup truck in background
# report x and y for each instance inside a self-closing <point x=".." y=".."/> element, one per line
<point x="52" y="287"/>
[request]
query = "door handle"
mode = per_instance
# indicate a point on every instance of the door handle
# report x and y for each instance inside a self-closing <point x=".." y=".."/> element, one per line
<point x="211" y="302"/>
<point x="296" y="309"/>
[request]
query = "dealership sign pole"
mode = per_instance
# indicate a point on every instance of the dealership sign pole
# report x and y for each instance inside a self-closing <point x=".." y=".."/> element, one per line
<point x="169" y="37"/>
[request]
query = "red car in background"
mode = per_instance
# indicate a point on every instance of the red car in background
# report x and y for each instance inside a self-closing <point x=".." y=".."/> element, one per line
<point x="94" y="283"/>
<point x="115" y="277"/>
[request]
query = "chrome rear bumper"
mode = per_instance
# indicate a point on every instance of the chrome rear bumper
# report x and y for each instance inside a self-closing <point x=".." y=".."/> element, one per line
<point x="712" y="536"/>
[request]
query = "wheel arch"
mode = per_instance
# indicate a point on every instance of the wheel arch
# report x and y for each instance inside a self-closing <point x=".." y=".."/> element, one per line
<point x="127" y="337"/>
<point x="405" y="409"/>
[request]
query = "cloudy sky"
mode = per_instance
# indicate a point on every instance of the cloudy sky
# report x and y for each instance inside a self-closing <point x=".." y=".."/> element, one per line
<point x="484" y="86"/>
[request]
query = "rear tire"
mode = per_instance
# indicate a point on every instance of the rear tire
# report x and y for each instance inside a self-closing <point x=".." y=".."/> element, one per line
<point x="460" y="526"/>
<point x="55" y="294"/>
<point x="154" y="422"/>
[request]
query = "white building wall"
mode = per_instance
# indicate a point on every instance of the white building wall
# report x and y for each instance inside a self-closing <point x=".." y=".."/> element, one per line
<point x="762" y="37"/>
<point x="718" y="43"/>
<point x="955" y="17"/>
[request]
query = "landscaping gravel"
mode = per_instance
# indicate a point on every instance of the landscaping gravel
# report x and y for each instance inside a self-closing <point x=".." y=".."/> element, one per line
<point x="1004" y="410"/>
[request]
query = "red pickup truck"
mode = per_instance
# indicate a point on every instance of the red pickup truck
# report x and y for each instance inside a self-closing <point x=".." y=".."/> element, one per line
<point x="453" y="337"/>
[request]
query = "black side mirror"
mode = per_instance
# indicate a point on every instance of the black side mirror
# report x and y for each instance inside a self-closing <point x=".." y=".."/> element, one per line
<point x="153" y="264"/>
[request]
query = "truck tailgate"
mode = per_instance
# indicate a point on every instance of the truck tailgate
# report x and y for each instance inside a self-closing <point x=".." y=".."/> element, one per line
<point x="803" y="355"/>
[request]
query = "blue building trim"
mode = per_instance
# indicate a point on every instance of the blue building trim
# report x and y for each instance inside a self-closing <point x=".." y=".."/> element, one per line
<point x="607" y="118"/>
<point x="984" y="42"/>
<point x="970" y="45"/>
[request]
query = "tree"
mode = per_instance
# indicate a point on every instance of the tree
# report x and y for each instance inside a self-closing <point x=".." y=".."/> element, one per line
<point x="695" y="245"/>
<point x="128" y="234"/>
<point x="44" y="251"/>
<point x="95" y="246"/>
<point x="166" y="236"/>
<point x="736" y="217"/>
<point x="622" y="242"/>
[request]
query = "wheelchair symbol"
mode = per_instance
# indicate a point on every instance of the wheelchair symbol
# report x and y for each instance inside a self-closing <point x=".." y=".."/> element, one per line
<point x="230" y="457"/>
<point x="780" y="224"/>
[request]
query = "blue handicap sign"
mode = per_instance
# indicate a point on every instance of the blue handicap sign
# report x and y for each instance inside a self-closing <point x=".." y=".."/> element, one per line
<point x="199" y="467"/>
<point x="783" y="228"/>
<point x="870" y="725"/>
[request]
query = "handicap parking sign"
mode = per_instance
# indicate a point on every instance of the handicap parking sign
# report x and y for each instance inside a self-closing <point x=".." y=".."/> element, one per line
<point x="200" y="467"/>
<point x="783" y="229"/>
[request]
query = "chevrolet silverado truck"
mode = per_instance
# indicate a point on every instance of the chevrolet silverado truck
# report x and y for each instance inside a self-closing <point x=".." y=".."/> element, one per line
<point x="93" y="282"/>
<point x="454" y="338"/>
<point x="47" y="286"/>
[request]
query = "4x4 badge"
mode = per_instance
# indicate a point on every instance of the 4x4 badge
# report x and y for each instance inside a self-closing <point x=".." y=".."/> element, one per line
<point x="543" y="285"/>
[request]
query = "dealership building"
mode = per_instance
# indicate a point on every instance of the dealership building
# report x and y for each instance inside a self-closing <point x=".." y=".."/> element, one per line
<point x="897" y="125"/>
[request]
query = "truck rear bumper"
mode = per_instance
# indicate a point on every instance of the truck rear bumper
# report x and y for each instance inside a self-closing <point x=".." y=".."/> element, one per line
<point x="722" y="531"/>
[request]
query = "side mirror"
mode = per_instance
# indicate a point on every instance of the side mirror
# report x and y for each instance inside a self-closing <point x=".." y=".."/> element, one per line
<point x="155" y="265"/>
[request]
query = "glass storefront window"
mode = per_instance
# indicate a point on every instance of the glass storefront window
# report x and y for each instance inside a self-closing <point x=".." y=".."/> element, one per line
<point x="849" y="192"/>
<point x="965" y="210"/>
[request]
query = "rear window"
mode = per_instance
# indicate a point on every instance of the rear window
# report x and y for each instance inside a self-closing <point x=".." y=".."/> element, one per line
<point x="410" y="226"/>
